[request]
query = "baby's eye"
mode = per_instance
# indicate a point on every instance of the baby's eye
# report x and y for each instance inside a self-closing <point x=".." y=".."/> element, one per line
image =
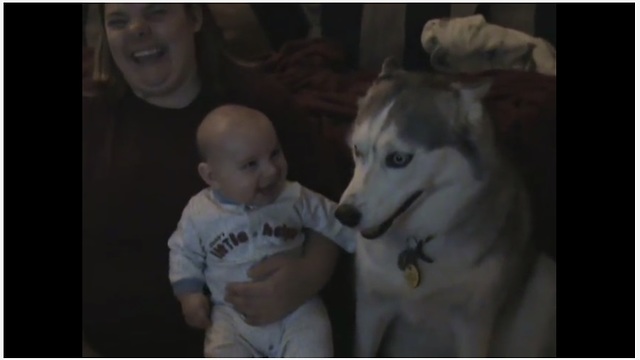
<point x="250" y="165"/>
<point x="275" y="153"/>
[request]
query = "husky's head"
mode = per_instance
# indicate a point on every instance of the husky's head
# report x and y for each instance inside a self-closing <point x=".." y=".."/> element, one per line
<point x="414" y="134"/>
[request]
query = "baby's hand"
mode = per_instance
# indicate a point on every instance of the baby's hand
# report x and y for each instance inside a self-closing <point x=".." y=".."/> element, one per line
<point x="195" y="308"/>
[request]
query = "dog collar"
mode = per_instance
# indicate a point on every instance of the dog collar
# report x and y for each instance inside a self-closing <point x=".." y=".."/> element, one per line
<point x="408" y="259"/>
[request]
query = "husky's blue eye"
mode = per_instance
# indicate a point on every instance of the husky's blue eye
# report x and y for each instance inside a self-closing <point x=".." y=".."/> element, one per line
<point x="398" y="160"/>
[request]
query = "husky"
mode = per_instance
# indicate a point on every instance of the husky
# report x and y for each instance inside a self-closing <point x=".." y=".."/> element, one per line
<point x="445" y="263"/>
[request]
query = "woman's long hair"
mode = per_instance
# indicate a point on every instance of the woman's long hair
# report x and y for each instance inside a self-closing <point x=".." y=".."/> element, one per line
<point x="211" y="57"/>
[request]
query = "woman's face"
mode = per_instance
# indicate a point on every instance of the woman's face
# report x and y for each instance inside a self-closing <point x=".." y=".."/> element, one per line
<point x="153" y="45"/>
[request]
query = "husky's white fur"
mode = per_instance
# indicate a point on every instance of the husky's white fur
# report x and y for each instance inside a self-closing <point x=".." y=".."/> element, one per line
<point x="426" y="165"/>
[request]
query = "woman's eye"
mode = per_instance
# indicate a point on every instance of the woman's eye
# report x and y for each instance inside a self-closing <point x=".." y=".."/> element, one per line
<point x="116" y="23"/>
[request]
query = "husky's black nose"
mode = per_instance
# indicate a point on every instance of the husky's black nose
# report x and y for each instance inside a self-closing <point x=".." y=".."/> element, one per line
<point x="348" y="215"/>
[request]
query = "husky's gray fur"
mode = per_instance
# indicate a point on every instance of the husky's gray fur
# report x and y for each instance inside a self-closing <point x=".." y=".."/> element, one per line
<point x="425" y="146"/>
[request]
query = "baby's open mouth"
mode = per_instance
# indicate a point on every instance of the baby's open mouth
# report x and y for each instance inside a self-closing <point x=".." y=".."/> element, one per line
<point x="269" y="189"/>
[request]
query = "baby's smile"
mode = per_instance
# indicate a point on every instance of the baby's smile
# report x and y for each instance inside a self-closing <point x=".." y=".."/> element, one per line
<point x="271" y="190"/>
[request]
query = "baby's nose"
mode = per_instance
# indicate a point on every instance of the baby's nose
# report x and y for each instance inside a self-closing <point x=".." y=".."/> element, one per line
<point x="270" y="172"/>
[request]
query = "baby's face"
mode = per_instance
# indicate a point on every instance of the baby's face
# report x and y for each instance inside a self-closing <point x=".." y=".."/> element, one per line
<point x="249" y="165"/>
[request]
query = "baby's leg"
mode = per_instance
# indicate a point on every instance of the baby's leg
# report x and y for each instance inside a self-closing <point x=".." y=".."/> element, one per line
<point x="307" y="332"/>
<point x="223" y="340"/>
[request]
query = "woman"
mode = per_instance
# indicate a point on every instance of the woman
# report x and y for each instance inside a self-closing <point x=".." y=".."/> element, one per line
<point x="160" y="68"/>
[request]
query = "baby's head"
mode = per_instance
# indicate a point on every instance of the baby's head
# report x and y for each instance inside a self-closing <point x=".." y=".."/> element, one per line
<point x="242" y="159"/>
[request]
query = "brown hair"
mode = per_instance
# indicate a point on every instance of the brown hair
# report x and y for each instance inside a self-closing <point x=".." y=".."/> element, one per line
<point x="211" y="57"/>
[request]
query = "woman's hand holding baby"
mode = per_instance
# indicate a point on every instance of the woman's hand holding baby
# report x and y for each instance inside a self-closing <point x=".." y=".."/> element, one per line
<point x="196" y="310"/>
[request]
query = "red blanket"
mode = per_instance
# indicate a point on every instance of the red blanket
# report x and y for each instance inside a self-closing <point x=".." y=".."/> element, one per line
<point x="314" y="71"/>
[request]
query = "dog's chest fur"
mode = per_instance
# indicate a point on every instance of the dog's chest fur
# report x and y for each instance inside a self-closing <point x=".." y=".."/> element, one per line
<point x="380" y="275"/>
<point x="422" y="317"/>
<point x="475" y="298"/>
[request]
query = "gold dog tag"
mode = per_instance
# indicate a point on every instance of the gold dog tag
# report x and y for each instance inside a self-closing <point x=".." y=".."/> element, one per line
<point x="412" y="275"/>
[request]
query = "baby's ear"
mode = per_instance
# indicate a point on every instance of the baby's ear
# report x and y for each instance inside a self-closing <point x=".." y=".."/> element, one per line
<point x="207" y="175"/>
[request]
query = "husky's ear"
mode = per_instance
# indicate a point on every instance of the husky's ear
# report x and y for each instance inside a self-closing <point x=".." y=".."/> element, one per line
<point x="476" y="135"/>
<point x="471" y="96"/>
<point x="472" y="130"/>
<point x="473" y="92"/>
<point x="389" y="66"/>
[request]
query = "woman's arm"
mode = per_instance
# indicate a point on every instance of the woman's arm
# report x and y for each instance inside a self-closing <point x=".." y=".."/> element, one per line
<point x="282" y="284"/>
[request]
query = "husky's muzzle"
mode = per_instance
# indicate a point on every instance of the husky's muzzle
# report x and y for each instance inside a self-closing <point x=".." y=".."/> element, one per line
<point x="350" y="216"/>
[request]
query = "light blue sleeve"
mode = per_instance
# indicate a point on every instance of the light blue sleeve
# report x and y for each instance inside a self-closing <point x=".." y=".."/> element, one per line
<point x="186" y="257"/>
<point x="317" y="211"/>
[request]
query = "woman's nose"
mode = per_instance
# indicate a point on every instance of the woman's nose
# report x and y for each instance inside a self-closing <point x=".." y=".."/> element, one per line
<point x="140" y="28"/>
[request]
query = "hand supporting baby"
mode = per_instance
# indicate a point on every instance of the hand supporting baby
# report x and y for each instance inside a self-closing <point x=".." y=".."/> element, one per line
<point x="196" y="310"/>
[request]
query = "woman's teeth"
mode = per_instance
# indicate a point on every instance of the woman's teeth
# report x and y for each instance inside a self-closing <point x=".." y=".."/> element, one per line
<point x="145" y="55"/>
<point x="146" y="52"/>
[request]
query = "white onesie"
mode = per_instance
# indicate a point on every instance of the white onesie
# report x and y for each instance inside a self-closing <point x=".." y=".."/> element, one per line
<point x="216" y="243"/>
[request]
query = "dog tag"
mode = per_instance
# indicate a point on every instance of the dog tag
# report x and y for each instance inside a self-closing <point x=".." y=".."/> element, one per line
<point x="405" y="258"/>
<point x="412" y="275"/>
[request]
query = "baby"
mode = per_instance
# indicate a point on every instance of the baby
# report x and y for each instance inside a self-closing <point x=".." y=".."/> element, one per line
<point x="248" y="212"/>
